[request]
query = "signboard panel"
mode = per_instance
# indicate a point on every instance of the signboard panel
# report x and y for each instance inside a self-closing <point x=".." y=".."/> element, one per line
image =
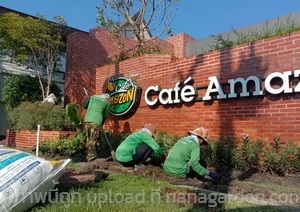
<point x="124" y="94"/>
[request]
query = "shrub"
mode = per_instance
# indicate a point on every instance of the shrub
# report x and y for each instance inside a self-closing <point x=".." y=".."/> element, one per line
<point x="167" y="141"/>
<point x="251" y="152"/>
<point x="114" y="138"/>
<point x="281" y="158"/>
<point x="224" y="153"/>
<point x="238" y="160"/>
<point x="62" y="146"/>
<point x="220" y="152"/>
<point x="277" y="157"/>
<point x="28" y="115"/>
<point x="19" y="89"/>
<point x="74" y="146"/>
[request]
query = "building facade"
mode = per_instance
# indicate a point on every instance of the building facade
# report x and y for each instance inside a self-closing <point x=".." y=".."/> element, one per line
<point x="250" y="89"/>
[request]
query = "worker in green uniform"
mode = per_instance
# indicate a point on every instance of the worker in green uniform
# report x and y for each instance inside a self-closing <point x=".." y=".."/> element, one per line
<point x="138" y="147"/>
<point x="97" y="112"/>
<point x="184" y="157"/>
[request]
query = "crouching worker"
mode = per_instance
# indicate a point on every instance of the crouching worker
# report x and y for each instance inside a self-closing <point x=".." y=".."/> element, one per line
<point x="97" y="112"/>
<point x="184" y="157"/>
<point x="138" y="147"/>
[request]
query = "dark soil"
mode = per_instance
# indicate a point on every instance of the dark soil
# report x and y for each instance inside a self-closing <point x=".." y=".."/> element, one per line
<point x="234" y="182"/>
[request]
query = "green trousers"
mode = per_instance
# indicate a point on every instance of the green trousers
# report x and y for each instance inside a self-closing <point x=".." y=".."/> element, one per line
<point x="93" y="136"/>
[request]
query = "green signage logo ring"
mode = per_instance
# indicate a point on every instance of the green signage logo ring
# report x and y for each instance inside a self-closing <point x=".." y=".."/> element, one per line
<point x="124" y="95"/>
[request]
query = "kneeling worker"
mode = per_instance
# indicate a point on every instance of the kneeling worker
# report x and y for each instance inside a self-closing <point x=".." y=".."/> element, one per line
<point x="184" y="157"/>
<point x="138" y="147"/>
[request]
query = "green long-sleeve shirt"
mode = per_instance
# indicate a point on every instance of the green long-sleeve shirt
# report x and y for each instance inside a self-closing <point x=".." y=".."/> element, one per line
<point x="97" y="109"/>
<point x="183" y="155"/>
<point x="127" y="148"/>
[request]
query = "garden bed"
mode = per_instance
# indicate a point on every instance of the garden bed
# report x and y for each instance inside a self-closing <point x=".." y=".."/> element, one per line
<point x="251" y="186"/>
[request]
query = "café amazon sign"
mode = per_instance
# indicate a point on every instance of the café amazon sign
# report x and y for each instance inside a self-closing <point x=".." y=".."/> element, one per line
<point x="186" y="92"/>
<point x="124" y="94"/>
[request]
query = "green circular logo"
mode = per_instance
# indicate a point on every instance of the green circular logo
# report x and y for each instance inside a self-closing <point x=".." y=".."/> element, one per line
<point x="124" y="95"/>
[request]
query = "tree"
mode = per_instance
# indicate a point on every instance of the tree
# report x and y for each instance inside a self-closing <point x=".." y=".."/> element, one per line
<point x="137" y="17"/>
<point x="35" y="43"/>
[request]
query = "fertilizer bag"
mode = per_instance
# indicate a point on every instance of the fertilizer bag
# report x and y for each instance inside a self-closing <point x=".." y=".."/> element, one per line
<point x="23" y="177"/>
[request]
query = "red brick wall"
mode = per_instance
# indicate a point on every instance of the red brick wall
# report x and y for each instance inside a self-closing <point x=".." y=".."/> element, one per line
<point x="260" y="117"/>
<point x="180" y="41"/>
<point x="27" y="139"/>
<point x="86" y="52"/>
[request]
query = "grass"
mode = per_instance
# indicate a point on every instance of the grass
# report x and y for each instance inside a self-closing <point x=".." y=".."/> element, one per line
<point x="271" y="186"/>
<point x="127" y="192"/>
<point x="119" y="192"/>
<point x="77" y="166"/>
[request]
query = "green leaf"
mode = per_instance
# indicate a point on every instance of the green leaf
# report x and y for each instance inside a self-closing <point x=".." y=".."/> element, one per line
<point x="73" y="113"/>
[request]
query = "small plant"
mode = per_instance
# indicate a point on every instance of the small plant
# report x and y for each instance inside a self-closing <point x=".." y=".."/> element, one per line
<point x="221" y="43"/>
<point x="238" y="160"/>
<point x="251" y="152"/>
<point x="281" y="158"/>
<point x="278" y="29"/>
<point x="148" y="49"/>
<point x="73" y="113"/>
<point x="120" y="57"/>
<point x="138" y="51"/>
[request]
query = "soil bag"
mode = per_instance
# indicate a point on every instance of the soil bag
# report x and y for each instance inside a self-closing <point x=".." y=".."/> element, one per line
<point x="24" y="177"/>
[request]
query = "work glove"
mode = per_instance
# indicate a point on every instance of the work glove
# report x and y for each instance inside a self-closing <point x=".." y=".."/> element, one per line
<point x="214" y="175"/>
<point x="162" y="158"/>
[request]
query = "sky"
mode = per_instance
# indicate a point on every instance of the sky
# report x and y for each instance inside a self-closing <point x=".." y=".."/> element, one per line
<point x="197" y="18"/>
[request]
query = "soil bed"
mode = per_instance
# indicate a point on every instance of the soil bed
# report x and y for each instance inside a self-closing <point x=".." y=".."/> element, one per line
<point x="263" y="187"/>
